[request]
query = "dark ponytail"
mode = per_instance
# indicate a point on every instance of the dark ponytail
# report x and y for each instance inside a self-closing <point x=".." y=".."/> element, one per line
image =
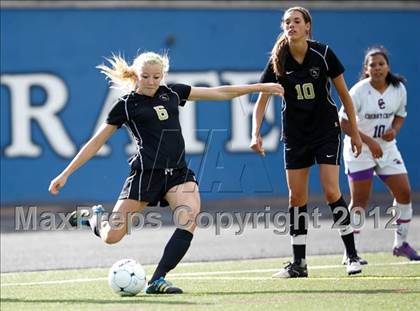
<point x="391" y="78"/>
<point x="279" y="53"/>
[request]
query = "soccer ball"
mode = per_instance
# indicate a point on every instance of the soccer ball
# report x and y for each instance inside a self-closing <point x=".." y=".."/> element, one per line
<point x="127" y="277"/>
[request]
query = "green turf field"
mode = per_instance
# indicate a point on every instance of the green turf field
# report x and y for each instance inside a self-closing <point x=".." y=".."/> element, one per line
<point x="387" y="283"/>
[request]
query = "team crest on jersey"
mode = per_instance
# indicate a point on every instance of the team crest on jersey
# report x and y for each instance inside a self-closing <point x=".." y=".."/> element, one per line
<point x="381" y="103"/>
<point x="314" y="71"/>
<point x="397" y="161"/>
<point x="164" y="97"/>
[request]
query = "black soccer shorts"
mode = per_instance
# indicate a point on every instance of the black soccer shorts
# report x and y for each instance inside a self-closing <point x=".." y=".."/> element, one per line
<point x="152" y="185"/>
<point x="325" y="151"/>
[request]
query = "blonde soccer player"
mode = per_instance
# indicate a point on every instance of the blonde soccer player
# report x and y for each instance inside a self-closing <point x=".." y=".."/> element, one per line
<point x="159" y="172"/>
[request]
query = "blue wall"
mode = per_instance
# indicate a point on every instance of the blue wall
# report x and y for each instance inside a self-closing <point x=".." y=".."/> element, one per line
<point x="68" y="44"/>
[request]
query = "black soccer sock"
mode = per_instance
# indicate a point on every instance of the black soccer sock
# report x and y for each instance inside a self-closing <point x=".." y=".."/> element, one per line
<point x="298" y="232"/>
<point x="299" y="253"/>
<point x="340" y="209"/>
<point x="175" y="249"/>
<point x="348" y="240"/>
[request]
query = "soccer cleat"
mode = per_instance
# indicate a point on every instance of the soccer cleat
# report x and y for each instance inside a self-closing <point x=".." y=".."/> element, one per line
<point x="80" y="217"/>
<point x="353" y="266"/>
<point x="292" y="270"/>
<point x="360" y="259"/>
<point x="76" y="218"/>
<point x="161" y="286"/>
<point x="405" y="250"/>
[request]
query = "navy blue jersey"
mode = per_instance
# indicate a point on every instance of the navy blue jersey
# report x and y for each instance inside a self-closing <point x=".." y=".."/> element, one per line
<point x="308" y="110"/>
<point x="154" y="123"/>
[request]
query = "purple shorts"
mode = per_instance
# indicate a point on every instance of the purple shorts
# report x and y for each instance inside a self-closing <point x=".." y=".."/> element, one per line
<point x="365" y="174"/>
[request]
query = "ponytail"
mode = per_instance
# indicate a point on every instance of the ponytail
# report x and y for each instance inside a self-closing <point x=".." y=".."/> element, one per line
<point x="278" y="54"/>
<point x="395" y="79"/>
<point x="121" y="75"/>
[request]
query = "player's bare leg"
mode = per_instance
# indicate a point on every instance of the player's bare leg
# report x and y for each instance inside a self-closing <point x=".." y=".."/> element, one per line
<point x="113" y="230"/>
<point x="97" y="219"/>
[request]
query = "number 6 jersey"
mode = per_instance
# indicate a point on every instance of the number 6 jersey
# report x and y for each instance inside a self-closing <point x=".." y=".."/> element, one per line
<point x="154" y="124"/>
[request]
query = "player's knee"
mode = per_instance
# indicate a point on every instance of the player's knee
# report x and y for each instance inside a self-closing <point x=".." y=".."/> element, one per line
<point x="186" y="215"/>
<point x="332" y="195"/>
<point x="404" y="196"/>
<point x="111" y="237"/>
<point x="296" y="198"/>
<point x="192" y="215"/>
<point x="110" y="240"/>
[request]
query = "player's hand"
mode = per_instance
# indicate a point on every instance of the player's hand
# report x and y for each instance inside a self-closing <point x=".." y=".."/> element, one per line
<point x="273" y="89"/>
<point x="375" y="149"/>
<point x="57" y="183"/>
<point x="256" y="145"/>
<point x="389" y="134"/>
<point x="356" y="144"/>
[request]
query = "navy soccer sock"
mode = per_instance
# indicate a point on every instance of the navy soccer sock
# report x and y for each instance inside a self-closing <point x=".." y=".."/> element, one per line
<point x="298" y="232"/>
<point x="346" y="231"/>
<point x="175" y="250"/>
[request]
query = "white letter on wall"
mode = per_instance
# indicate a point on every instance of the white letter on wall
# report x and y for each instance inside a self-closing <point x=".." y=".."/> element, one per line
<point x="241" y="116"/>
<point x="23" y="113"/>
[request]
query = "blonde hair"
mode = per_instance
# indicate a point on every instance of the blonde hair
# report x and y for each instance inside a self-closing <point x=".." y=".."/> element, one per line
<point x="279" y="51"/>
<point x="124" y="76"/>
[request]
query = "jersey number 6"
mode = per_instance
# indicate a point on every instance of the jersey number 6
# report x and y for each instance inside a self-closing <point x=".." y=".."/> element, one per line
<point x="305" y="91"/>
<point x="161" y="112"/>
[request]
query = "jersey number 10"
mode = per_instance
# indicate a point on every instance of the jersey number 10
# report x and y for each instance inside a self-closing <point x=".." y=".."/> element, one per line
<point x="305" y="91"/>
<point x="379" y="131"/>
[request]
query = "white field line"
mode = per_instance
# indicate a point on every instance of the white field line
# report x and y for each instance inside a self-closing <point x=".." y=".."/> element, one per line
<point x="215" y="275"/>
<point x="268" y="278"/>
<point x="53" y="282"/>
<point x="276" y="269"/>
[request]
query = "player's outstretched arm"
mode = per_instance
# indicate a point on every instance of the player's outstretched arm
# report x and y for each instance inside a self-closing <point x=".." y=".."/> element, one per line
<point x="353" y="132"/>
<point x="87" y="152"/>
<point x="230" y="91"/>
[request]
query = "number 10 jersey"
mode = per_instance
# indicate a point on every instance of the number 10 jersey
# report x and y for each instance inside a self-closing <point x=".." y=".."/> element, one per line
<point x="376" y="111"/>
<point x="309" y="114"/>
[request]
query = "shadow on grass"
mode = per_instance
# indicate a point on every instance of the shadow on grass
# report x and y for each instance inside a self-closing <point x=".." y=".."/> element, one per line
<point x="127" y="300"/>
<point x="313" y="291"/>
